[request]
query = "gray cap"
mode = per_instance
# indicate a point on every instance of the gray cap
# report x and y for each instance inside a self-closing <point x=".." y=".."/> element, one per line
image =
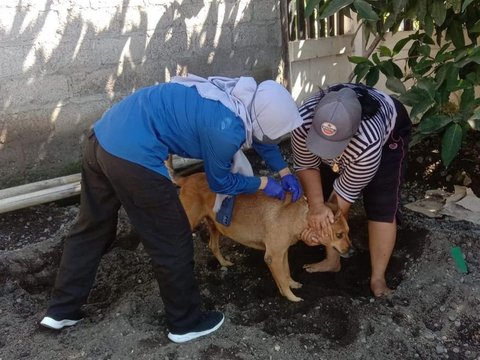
<point x="336" y="119"/>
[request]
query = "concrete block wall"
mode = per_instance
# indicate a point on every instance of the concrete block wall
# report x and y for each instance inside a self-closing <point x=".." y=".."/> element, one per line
<point x="64" y="62"/>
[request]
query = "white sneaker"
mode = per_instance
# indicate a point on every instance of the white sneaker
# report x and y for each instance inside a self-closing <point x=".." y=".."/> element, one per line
<point x="209" y="322"/>
<point x="51" y="323"/>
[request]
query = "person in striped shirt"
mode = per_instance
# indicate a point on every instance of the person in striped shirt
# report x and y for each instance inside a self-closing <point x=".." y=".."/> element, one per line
<point x="353" y="143"/>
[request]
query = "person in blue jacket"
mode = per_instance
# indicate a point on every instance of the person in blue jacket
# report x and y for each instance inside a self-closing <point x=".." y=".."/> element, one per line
<point x="123" y="164"/>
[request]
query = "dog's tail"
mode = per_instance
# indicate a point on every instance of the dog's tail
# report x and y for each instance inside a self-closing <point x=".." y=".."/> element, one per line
<point x="176" y="178"/>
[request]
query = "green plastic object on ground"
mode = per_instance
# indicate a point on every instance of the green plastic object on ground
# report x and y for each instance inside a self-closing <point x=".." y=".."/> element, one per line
<point x="459" y="260"/>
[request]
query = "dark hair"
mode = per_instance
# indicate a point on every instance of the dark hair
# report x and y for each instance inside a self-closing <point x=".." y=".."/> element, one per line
<point x="370" y="105"/>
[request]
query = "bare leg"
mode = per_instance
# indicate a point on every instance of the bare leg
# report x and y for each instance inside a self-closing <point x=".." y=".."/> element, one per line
<point x="330" y="264"/>
<point x="382" y="237"/>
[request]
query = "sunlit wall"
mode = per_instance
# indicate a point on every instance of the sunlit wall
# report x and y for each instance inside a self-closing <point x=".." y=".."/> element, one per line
<point x="64" y="62"/>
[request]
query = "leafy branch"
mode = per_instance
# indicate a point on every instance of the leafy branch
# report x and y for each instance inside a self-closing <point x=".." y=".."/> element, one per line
<point x="442" y="61"/>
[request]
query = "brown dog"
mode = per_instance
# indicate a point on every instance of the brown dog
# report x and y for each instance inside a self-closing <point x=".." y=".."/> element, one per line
<point x="259" y="222"/>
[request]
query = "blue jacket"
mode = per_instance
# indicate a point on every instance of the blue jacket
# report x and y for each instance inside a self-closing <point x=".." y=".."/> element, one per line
<point x="170" y="118"/>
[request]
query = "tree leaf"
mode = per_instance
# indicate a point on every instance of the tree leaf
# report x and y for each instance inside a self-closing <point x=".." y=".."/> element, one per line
<point x="372" y="77"/>
<point x="475" y="28"/>
<point x="384" y="51"/>
<point x="455" y="33"/>
<point x="413" y="96"/>
<point x="460" y="54"/>
<point x="451" y="80"/>
<point x="400" y="45"/>
<point x="386" y="68"/>
<point x="467" y="100"/>
<point x="365" y="10"/>
<point x="438" y="12"/>
<point x="398" y="6"/>
<point x="423" y="66"/>
<point x="389" y="22"/>
<point x="333" y="6"/>
<point x="428" y="24"/>
<point x="418" y="99"/>
<point x="361" y="70"/>
<point x="395" y="85"/>
<point x="451" y="143"/>
<point x="397" y="71"/>
<point x="429" y="85"/>
<point x="465" y="4"/>
<point x="434" y="123"/>
<point x="421" y="10"/>
<point x="441" y="55"/>
<point x="420" y="107"/>
<point x="424" y="50"/>
<point x="311" y="5"/>
<point x="427" y="39"/>
<point x="358" y="59"/>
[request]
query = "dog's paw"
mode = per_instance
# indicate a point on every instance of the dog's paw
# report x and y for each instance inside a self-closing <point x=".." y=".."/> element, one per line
<point x="226" y="263"/>
<point x="295" y="284"/>
<point x="294" y="298"/>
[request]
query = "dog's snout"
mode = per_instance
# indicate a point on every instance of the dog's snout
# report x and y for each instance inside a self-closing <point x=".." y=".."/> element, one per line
<point x="351" y="251"/>
<point x="348" y="253"/>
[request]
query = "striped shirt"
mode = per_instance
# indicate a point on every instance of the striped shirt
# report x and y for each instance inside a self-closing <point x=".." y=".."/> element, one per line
<point x="359" y="162"/>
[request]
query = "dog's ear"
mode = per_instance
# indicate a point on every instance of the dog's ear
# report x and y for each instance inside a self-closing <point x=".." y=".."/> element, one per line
<point x="338" y="214"/>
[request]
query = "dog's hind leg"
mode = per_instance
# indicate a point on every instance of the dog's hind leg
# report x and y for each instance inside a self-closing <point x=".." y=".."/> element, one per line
<point x="276" y="262"/>
<point x="292" y="283"/>
<point x="214" y="244"/>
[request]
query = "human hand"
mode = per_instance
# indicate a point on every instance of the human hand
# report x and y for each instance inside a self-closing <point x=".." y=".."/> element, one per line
<point x="311" y="237"/>
<point x="274" y="189"/>
<point x="320" y="219"/>
<point x="291" y="184"/>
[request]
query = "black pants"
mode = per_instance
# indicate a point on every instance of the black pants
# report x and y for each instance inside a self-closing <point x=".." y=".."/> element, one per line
<point x="155" y="211"/>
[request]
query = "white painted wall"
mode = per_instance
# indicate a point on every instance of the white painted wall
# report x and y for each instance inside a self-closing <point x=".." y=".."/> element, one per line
<point x="318" y="63"/>
<point x="322" y="62"/>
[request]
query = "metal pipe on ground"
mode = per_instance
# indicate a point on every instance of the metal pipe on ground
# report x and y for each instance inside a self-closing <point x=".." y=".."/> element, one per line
<point x="45" y="191"/>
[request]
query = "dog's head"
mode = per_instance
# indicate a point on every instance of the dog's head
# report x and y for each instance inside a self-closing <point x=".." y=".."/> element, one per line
<point x="339" y="239"/>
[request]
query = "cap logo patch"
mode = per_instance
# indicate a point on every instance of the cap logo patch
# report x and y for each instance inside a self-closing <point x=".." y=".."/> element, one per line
<point x="328" y="129"/>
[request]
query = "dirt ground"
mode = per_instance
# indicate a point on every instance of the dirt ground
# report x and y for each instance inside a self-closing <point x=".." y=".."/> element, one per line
<point x="433" y="313"/>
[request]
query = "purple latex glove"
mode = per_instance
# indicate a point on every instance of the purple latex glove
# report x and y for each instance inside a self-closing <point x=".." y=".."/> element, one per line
<point x="291" y="184"/>
<point x="274" y="189"/>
